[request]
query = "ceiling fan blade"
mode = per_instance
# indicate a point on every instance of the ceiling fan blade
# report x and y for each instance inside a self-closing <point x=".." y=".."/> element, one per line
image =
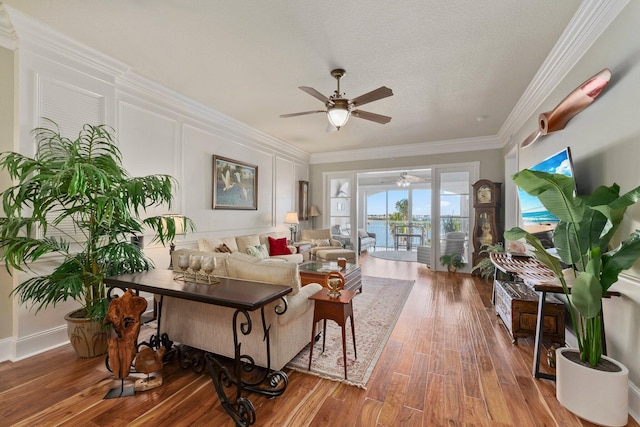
<point x="311" y="91"/>
<point x="374" y="95"/>
<point x="284" y="116"/>
<point x="413" y="178"/>
<point x="378" y="118"/>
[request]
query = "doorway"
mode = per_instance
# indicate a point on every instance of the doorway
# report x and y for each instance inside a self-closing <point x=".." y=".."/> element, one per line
<point x="432" y="210"/>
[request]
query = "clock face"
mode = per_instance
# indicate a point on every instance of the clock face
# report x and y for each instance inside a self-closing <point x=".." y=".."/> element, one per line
<point x="484" y="194"/>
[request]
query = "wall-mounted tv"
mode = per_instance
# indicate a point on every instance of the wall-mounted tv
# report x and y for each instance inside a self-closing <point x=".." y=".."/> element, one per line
<point x="535" y="217"/>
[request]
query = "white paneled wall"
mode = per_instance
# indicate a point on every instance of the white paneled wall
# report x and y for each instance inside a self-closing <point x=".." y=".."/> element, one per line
<point x="159" y="132"/>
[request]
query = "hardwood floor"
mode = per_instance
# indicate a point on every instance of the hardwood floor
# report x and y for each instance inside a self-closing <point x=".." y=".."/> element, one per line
<point x="449" y="361"/>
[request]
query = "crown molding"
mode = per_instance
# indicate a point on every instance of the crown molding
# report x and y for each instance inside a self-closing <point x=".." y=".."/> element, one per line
<point x="409" y="150"/>
<point x="8" y="36"/>
<point x="17" y="28"/>
<point x="132" y="83"/>
<point x="591" y="19"/>
<point x="41" y="39"/>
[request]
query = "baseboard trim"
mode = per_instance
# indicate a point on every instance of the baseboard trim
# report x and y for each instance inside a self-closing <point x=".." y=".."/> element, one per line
<point x="38" y="343"/>
<point x="5" y="349"/>
<point x="634" y="401"/>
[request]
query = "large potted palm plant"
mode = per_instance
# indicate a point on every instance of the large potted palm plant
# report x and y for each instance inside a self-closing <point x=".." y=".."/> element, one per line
<point x="73" y="202"/>
<point x="582" y="238"/>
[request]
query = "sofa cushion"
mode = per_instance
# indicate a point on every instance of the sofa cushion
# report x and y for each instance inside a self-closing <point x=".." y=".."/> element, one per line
<point x="308" y="235"/>
<point x="362" y="233"/>
<point x="210" y="245"/>
<point x="258" y="251"/>
<point x="278" y="246"/>
<point x="320" y="242"/>
<point x="297" y="258"/>
<point x="242" y="266"/>
<point x="244" y="242"/>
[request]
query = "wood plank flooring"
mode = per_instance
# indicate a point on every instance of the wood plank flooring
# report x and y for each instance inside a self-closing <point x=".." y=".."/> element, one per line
<point x="449" y="361"/>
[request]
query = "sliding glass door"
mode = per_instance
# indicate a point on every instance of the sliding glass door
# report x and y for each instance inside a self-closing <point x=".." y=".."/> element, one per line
<point x="390" y="212"/>
<point x="432" y="210"/>
<point x="452" y="219"/>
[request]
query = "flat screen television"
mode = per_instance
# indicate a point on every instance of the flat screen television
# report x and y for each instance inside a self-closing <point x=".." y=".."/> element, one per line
<point x="535" y="217"/>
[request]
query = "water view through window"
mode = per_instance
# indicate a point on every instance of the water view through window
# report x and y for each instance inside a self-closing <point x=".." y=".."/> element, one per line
<point x="394" y="210"/>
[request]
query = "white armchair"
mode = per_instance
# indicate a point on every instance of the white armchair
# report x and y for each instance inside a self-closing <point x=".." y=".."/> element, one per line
<point x="454" y="243"/>
<point x="424" y="255"/>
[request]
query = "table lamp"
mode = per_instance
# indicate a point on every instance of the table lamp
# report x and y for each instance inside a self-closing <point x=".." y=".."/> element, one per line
<point x="292" y="219"/>
<point x="313" y="212"/>
<point x="178" y="222"/>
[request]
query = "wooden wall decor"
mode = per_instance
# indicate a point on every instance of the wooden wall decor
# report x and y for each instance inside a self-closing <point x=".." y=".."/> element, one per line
<point x="575" y="102"/>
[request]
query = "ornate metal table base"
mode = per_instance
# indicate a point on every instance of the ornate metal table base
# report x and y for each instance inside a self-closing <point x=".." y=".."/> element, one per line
<point x="257" y="380"/>
<point x="245" y="297"/>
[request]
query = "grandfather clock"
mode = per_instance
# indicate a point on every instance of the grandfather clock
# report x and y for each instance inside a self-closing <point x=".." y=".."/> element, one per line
<point x="487" y="229"/>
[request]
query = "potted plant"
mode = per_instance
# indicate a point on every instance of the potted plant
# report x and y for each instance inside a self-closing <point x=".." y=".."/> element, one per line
<point x="75" y="201"/>
<point x="485" y="267"/>
<point x="582" y="237"/>
<point x="452" y="261"/>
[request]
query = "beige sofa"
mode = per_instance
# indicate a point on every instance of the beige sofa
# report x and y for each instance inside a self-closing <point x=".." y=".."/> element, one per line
<point x="209" y="327"/>
<point x="240" y="244"/>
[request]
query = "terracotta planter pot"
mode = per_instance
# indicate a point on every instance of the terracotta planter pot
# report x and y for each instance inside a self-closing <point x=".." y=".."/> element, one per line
<point x="87" y="336"/>
<point x="598" y="396"/>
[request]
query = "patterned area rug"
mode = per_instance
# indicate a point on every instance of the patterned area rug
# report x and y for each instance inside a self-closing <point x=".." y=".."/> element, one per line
<point x="396" y="255"/>
<point x="376" y="311"/>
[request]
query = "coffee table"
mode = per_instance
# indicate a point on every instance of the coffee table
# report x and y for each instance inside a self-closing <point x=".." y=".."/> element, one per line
<point x="314" y="272"/>
<point x="245" y="297"/>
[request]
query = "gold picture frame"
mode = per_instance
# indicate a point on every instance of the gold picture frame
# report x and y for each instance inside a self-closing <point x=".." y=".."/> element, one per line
<point x="235" y="184"/>
<point x="303" y="200"/>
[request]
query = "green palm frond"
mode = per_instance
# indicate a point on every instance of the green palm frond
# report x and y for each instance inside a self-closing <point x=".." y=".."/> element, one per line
<point x="80" y="182"/>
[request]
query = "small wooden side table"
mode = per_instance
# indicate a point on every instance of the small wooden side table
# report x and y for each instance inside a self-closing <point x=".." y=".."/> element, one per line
<point x="336" y="309"/>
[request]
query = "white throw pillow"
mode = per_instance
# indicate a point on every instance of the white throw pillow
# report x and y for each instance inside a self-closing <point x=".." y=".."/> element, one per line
<point x="258" y="251"/>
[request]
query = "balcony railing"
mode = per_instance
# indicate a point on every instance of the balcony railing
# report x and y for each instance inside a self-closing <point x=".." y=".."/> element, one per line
<point x="410" y="234"/>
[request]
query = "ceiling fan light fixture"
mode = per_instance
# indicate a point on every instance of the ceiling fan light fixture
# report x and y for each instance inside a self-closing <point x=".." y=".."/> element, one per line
<point x="338" y="115"/>
<point x="403" y="181"/>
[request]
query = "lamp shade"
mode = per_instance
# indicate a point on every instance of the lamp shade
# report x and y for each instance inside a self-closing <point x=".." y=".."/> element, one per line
<point x="339" y="113"/>
<point x="176" y="221"/>
<point x="291" y="218"/>
<point x="313" y="211"/>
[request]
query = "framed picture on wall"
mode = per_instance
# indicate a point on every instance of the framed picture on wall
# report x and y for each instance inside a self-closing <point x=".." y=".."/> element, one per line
<point x="235" y="184"/>
<point x="303" y="200"/>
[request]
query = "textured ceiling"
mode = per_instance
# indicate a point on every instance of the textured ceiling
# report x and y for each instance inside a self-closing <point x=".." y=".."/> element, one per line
<point x="457" y="68"/>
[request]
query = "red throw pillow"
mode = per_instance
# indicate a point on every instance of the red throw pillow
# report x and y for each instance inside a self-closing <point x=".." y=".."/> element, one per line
<point x="278" y="246"/>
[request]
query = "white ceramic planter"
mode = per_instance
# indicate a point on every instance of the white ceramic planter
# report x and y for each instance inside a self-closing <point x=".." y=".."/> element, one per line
<point x="596" y="396"/>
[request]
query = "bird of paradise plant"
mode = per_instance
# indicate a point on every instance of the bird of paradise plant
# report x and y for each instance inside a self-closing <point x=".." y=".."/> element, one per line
<point x="582" y="237"/>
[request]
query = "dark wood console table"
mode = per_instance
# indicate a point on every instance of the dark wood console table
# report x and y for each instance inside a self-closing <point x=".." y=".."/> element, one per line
<point x="243" y="296"/>
<point x="537" y="275"/>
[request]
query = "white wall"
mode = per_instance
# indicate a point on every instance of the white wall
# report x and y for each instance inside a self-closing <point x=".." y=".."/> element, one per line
<point x="159" y="131"/>
<point x="605" y="144"/>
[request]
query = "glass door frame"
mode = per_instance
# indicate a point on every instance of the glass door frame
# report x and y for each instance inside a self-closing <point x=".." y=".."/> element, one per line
<point x="350" y="177"/>
<point x="473" y="168"/>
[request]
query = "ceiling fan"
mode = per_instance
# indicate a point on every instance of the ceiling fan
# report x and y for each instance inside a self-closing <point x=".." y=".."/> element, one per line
<point x="339" y="108"/>
<point x="405" y="179"/>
